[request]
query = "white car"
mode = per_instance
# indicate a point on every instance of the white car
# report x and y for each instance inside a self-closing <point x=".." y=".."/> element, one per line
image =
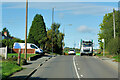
<point x="72" y="51"/>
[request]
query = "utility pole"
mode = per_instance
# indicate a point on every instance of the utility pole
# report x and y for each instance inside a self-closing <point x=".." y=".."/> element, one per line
<point x="52" y="15"/>
<point x="74" y="44"/>
<point x="63" y="41"/>
<point x="114" y="21"/>
<point x="64" y="36"/>
<point x="52" y="25"/>
<point x="26" y="32"/>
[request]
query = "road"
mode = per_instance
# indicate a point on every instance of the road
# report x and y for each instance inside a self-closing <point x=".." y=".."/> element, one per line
<point x="74" y="67"/>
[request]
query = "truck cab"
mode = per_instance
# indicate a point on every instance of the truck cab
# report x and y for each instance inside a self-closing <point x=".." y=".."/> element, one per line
<point x="86" y="48"/>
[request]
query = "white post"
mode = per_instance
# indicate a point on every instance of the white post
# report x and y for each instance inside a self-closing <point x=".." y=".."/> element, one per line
<point x="6" y="52"/>
<point x="114" y="21"/>
<point x="103" y="47"/>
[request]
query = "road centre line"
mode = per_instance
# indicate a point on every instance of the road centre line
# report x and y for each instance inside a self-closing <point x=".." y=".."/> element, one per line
<point x="75" y="68"/>
<point x="81" y="75"/>
<point x="78" y="68"/>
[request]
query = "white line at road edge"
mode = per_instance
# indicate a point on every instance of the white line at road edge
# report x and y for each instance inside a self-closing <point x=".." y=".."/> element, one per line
<point x="75" y="68"/>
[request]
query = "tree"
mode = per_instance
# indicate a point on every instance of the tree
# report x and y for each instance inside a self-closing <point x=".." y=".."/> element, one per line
<point x="55" y="37"/>
<point x="10" y="42"/>
<point x="5" y="30"/>
<point x="38" y="33"/>
<point x="7" y="42"/>
<point x="106" y="31"/>
<point x="113" y="46"/>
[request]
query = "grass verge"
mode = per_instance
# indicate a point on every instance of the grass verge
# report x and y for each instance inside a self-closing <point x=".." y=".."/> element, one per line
<point x="116" y="57"/>
<point x="22" y="55"/>
<point x="8" y="68"/>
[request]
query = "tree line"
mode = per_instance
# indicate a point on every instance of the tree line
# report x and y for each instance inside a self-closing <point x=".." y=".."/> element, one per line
<point x="47" y="39"/>
<point x="9" y="40"/>
<point x="112" y="45"/>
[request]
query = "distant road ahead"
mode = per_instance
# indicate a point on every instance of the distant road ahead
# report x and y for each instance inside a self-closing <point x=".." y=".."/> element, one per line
<point x="75" y="67"/>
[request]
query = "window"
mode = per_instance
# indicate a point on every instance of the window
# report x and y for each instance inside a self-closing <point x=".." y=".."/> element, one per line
<point x="87" y="45"/>
<point x="32" y="46"/>
<point x="72" y="50"/>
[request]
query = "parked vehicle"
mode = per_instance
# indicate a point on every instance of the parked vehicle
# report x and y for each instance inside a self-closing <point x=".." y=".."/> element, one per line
<point x="86" y="47"/>
<point x="29" y="46"/>
<point x="72" y="51"/>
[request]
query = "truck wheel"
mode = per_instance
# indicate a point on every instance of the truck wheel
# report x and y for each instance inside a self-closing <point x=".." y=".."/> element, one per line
<point x="90" y="54"/>
<point x="81" y="54"/>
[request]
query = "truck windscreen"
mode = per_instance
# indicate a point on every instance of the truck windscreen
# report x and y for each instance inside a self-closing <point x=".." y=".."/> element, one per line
<point x="87" y="45"/>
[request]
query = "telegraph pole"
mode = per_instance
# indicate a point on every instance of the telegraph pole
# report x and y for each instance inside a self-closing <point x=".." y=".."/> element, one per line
<point x="52" y="15"/>
<point x="74" y="44"/>
<point x="52" y="25"/>
<point x="114" y="21"/>
<point x="64" y="36"/>
<point x="63" y="41"/>
<point x="26" y="31"/>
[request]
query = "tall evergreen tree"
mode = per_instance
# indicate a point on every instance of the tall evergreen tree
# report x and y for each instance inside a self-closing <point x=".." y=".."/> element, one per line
<point x="38" y="33"/>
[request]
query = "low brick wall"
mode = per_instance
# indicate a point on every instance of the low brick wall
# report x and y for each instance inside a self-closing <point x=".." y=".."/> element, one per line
<point x="29" y="51"/>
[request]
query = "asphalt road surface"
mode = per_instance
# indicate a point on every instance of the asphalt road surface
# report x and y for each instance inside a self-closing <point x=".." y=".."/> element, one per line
<point x="77" y="68"/>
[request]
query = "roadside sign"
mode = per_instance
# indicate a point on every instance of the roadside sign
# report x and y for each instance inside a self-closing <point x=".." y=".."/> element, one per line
<point x="102" y="40"/>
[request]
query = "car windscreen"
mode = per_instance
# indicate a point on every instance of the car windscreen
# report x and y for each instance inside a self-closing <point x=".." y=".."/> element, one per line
<point x="72" y="50"/>
<point x="32" y="46"/>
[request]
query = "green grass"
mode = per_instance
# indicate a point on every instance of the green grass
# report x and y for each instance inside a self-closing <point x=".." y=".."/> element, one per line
<point x="66" y="52"/>
<point x="77" y="53"/>
<point x="9" y="67"/>
<point x="22" y="55"/>
<point x="53" y="53"/>
<point x="117" y="58"/>
<point x="99" y="54"/>
<point x="106" y="54"/>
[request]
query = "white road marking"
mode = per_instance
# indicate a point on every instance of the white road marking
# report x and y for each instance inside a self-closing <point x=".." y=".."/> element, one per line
<point x="81" y="75"/>
<point x="75" y="68"/>
<point x="78" y="68"/>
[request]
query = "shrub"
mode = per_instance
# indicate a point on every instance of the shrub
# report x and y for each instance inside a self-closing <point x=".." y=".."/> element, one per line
<point x="113" y="46"/>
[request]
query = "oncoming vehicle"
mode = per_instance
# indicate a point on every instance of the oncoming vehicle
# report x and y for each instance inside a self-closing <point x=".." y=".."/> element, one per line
<point x="29" y="46"/>
<point x="86" y="47"/>
<point x="72" y="51"/>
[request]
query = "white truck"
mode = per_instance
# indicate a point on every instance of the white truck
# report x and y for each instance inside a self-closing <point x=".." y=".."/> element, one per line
<point x="29" y="46"/>
<point x="86" y="47"/>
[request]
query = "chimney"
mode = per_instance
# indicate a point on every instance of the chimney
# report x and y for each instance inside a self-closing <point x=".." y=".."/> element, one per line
<point x="5" y="33"/>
